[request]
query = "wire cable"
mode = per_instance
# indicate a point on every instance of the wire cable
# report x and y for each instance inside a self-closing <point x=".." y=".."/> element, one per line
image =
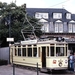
<point x="59" y="3"/>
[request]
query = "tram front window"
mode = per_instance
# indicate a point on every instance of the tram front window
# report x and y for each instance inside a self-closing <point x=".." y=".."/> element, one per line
<point x="59" y="51"/>
<point x="52" y="51"/>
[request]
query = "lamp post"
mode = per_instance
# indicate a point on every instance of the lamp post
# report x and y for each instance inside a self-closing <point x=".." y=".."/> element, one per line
<point x="8" y="22"/>
<point x="8" y="39"/>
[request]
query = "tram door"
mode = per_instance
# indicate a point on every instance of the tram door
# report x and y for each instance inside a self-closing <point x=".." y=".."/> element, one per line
<point x="43" y="56"/>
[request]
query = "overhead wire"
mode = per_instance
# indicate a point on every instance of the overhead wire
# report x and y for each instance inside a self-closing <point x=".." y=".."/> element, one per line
<point x="59" y="3"/>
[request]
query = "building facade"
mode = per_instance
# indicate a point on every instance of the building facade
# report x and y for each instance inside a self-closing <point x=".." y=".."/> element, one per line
<point x="56" y="23"/>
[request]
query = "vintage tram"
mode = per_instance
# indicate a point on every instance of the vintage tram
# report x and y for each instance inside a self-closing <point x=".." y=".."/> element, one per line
<point x="48" y="53"/>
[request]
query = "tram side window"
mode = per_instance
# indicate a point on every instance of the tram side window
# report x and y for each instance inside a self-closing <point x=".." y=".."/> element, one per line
<point x="34" y="52"/>
<point x="15" y="52"/>
<point x="52" y="51"/>
<point x="19" y="51"/>
<point x="24" y="51"/>
<point x="66" y="51"/>
<point x="38" y="55"/>
<point x="30" y="52"/>
<point x="59" y="51"/>
<point x="47" y="51"/>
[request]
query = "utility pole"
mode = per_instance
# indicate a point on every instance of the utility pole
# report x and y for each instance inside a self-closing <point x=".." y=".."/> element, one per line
<point x="9" y="23"/>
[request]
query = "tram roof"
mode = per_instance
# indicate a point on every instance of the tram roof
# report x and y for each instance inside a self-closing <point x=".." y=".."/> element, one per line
<point x="43" y="41"/>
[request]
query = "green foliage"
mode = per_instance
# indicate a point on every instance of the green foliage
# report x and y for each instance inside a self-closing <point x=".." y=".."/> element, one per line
<point x="3" y="62"/>
<point x="15" y="16"/>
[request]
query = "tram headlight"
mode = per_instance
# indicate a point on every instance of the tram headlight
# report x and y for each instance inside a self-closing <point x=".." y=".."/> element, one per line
<point x="66" y="61"/>
<point x="54" y="61"/>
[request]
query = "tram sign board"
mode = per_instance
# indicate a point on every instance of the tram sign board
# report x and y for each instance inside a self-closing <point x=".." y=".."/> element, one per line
<point x="29" y="42"/>
<point x="10" y="39"/>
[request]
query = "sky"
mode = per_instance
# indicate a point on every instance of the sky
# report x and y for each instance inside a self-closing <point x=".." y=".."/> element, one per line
<point x="65" y="4"/>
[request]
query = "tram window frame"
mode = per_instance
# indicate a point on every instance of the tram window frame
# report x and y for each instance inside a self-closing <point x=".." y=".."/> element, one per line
<point x="19" y="52"/>
<point x="29" y="49"/>
<point x="60" y="52"/>
<point x="47" y="51"/>
<point x="24" y="52"/>
<point x="34" y="52"/>
<point x="66" y="51"/>
<point x="52" y="53"/>
<point x="38" y="52"/>
<point x="15" y="51"/>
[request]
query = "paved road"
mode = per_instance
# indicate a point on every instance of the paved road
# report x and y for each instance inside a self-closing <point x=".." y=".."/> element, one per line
<point x="8" y="70"/>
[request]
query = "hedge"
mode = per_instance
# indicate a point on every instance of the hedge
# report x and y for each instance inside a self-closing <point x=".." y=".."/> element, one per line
<point x="3" y="62"/>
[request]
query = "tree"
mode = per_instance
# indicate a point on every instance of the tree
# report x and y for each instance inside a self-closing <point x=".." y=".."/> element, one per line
<point x="15" y="16"/>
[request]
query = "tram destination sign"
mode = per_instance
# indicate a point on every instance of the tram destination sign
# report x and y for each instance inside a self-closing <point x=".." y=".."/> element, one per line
<point x="29" y="42"/>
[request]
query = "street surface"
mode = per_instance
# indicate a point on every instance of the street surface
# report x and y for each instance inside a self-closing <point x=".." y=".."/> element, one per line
<point x="8" y="70"/>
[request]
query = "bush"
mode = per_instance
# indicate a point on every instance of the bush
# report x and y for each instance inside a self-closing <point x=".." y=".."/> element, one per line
<point x="3" y="62"/>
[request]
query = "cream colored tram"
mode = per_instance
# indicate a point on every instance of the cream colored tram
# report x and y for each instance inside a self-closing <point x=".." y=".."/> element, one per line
<point x="31" y="52"/>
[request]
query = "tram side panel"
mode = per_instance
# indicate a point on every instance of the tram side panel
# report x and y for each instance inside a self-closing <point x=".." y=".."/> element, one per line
<point x="54" y="62"/>
<point x="57" y="56"/>
<point x="57" y="63"/>
<point x="18" y="58"/>
<point x="11" y="55"/>
<point x="27" y="61"/>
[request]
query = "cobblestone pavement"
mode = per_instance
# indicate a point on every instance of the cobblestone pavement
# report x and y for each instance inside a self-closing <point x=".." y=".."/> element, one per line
<point x="8" y="70"/>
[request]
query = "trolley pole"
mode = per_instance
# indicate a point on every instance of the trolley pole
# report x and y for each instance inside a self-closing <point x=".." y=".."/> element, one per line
<point x="37" y="69"/>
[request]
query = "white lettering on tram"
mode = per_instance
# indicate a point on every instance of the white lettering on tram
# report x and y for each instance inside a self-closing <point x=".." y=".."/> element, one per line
<point x="29" y="42"/>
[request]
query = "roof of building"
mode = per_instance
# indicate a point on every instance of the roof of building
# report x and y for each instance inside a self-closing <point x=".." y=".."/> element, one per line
<point x="32" y="11"/>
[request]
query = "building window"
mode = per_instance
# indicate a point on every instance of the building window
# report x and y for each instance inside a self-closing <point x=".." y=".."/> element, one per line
<point x="57" y="15"/>
<point x="68" y="16"/>
<point x="73" y="28"/>
<point x="51" y="28"/>
<point x="41" y="15"/>
<point x="45" y="27"/>
<point x="58" y="27"/>
<point x="70" y="28"/>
